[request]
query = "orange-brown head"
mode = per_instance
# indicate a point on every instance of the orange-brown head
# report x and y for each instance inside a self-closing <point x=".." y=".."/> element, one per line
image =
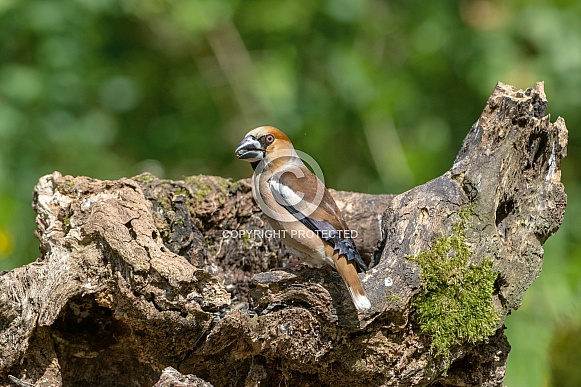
<point x="262" y="142"/>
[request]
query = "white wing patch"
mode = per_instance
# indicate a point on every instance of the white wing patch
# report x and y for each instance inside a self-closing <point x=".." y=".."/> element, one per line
<point x="291" y="197"/>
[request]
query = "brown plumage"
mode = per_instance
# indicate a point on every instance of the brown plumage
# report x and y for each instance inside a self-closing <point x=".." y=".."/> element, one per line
<point x="298" y="204"/>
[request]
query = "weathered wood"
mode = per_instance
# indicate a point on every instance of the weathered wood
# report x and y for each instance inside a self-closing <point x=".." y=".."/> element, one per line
<point x="140" y="274"/>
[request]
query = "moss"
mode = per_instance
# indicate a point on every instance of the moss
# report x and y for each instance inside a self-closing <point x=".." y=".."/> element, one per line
<point x="246" y="240"/>
<point x="67" y="188"/>
<point x="163" y="203"/>
<point x="205" y="185"/>
<point x="455" y="305"/>
<point x="180" y="221"/>
<point x="144" y="178"/>
<point x="393" y="298"/>
<point x="181" y="191"/>
<point x="227" y="185"/>
<point x="200" y="188"/>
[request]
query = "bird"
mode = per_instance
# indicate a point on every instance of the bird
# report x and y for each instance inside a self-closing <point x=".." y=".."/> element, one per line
<point x="300" y="208"/>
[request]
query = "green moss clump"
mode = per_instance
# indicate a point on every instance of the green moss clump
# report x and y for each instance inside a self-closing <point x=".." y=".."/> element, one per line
<point x="203" y="186"/>
<point x="455" y="305"/>
<point x="200" y="187"/>
<point x="144" y="178"/>
<point x="181" y="191"/>
<point x="180" y="221"/>
<point x="226" y="185"/>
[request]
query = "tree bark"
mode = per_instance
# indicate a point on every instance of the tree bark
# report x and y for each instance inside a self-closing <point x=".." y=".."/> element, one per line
<point x="141" y="274"/>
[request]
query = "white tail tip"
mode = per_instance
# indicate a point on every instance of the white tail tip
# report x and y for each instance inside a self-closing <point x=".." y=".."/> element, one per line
<point x="361" y="302"/>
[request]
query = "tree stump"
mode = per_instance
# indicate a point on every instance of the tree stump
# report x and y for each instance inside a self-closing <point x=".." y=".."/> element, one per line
<point x="141" y="274"/>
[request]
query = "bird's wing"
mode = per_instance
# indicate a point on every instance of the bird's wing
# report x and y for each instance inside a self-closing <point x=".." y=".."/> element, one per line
<point x="302" y="194"/>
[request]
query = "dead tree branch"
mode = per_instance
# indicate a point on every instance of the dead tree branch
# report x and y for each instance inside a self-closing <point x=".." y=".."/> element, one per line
<point x="141" y="274"/>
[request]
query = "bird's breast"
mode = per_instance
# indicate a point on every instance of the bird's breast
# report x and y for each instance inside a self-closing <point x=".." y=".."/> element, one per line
<point x="290" y="230"/>
<point x="298" y="237"/>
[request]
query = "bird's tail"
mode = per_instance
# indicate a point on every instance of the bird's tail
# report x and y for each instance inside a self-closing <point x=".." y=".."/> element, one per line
<point x="348" y="272"/>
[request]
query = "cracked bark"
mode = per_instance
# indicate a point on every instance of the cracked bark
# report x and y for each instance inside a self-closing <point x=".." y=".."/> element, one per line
<point x="141" y="274"/>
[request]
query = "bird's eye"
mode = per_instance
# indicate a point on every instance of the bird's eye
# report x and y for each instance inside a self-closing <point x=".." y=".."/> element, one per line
<point x="269" y="139"/>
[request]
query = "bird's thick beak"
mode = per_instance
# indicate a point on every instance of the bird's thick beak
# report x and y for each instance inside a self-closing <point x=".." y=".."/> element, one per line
<point x="250" y="150"/>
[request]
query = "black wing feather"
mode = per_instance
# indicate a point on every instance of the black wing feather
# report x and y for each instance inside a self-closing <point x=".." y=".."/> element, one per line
<point x="344" y="246"/>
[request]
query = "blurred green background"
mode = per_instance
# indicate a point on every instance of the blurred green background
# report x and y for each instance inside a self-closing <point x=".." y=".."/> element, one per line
<point x="380" y="92"/>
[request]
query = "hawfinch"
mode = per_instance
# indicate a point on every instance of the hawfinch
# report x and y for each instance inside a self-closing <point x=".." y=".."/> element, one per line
<point x="300" y="208"/>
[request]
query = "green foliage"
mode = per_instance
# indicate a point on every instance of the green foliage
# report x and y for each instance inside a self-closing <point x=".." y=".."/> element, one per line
<point x="565" y="356"/>
<point x="455" y="304"/>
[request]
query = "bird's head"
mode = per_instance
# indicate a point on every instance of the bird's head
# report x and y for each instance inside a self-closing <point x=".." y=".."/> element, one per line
<point x="262" y="143"/>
